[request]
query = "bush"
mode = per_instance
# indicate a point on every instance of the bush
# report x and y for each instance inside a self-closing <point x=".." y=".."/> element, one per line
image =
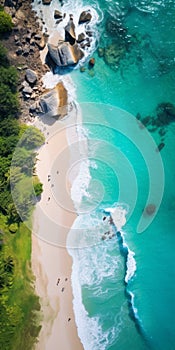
<point x="9" y="103"/>
<point x="9" y="76"/>
<point x="38" y="188"/>
<point x="3" y="56"/>
<point x="32" y="138"/>
<point x="6" y="24"/>
<point x="13" y="228"/>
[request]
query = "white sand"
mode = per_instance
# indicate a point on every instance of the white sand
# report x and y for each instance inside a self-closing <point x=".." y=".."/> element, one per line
<point x="53" y="218"/>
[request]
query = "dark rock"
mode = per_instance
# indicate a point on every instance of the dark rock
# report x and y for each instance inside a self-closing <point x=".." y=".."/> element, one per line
<point x="70" y="35"/>
<point x="26" y="50"/>
<point x="58" y="14"/>
<point x="16" y="38"/>
<point x="27" y="90"/>
<point x="138" y="116"/>
<point x="89" y="33"/>
<point x="162" y="132"/>
<point x="85" y="17"/>
<point x="28" y="37"/>
<point x="85" y="43"/>
<point x="9" y="3"/>
<point x="92" y="62"/>
<point x="31" y="49"/>
<point x="46" y="2"/>
<point x="38" y="36"/>
<point x="59" y="21"/>
<point x="31" y="76"/>
<point x="41" y="44"/>
<point x="65" y="54"/>
<point x="19" y="51"/>
<point x="165" y="113"/>
<point x="160" y="146"/>
<point x="103" y="237"/>
<point x="81" y="37"/>
<point x="145" y="121"/>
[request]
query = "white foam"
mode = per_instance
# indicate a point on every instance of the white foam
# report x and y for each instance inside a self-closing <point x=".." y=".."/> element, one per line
<point x="118" y="215"/>
<point x="146" y="6"/>
<point x="90" y="266"/>
<point x="131" y="266"/>
<point x="81" y="184"/>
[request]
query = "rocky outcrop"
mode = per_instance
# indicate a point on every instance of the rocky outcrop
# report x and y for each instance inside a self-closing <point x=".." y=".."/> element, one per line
<point x="65" y="54"/>
<point x="85" y="17"/>
<point x="52" y="103"/>
<point x="70" y="35"/>
<point x="31" y="76"/>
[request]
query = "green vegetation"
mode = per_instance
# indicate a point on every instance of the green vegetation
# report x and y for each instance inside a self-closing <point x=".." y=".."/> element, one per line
<point x="6" y="24"/>
<point x="19" y="187"/>
<point x="18" y="303"/>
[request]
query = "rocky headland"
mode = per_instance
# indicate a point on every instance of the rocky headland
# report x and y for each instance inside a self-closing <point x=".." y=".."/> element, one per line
<point x="25" y="44"/>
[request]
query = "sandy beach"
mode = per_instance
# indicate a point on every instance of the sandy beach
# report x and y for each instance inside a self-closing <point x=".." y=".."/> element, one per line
<point x="53" y="217"/>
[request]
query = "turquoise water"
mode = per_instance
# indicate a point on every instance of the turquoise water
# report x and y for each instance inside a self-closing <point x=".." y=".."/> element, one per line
<point x="143" y="78"/>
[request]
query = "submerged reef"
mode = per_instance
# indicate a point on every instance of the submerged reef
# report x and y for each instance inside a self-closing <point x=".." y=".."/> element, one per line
<point x="163" y="116"/>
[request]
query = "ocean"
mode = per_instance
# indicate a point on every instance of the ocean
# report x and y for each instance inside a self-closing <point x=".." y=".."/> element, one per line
<point x="124" y="269"/>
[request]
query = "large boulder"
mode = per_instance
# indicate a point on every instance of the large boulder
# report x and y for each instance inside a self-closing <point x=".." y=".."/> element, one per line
<point x="70" y="35"/>
<point x="52" y="103"/>
<point x="85" y="17"/>
<point x="31" y="76"/>
<point x="65" y="54"/>
<point x="58" y="14"/>
<point x="81" y="37"/>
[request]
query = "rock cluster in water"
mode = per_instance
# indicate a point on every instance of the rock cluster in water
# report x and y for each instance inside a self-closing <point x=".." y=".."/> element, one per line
<point x="69" y="52"/>
<point x="114" y="49"/>
<point x="164" y="115"/>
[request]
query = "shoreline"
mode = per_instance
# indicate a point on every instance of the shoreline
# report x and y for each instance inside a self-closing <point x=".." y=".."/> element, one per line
<point x="50" y="260"/>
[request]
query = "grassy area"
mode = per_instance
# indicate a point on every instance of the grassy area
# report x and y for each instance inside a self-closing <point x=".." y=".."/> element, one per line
<point x="19" y="331"/>
<point x="21" y="298"/>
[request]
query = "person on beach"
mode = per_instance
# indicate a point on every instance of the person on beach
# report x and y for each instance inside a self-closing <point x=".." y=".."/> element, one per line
<point x="58" y="281"/>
